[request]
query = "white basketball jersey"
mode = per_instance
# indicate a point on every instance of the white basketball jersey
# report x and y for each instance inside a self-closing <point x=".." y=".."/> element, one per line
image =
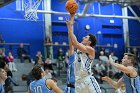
<point x="82" y="65"/>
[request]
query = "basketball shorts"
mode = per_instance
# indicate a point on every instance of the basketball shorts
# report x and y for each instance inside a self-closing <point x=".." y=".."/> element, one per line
<point x="87" y="85"/>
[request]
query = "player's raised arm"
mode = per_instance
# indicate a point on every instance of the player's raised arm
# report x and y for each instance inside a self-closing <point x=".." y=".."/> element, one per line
<point x="121" y="67"/>
<point x="71" y="49"/>
<point x="84" y="48"/>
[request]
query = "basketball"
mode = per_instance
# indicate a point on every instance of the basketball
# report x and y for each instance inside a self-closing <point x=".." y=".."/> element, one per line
<point x="71" y="6"/>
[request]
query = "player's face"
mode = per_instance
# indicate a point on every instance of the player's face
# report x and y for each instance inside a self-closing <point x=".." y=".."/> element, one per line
<point x="125" y="60"/>
<point x="85" y="40"/>
<point x="3" y="74"/>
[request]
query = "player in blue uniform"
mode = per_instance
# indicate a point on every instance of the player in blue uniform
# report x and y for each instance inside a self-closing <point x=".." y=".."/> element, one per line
<point x="40" y="84"/>
<point x="130" y="77"/>
<point x="70" y="76"/>
<point x="70" y="72"/>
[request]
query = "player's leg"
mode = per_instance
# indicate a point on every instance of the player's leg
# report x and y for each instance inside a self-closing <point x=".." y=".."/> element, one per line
<point x="92" y="85"/>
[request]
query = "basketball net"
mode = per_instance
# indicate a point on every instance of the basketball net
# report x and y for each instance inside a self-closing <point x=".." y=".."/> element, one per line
<point x="30" y="7"/>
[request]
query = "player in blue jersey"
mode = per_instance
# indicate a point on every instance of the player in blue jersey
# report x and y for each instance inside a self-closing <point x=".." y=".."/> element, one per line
<point x="70" y="76"/>
<point x="40" y="84"/>
<point x="70" y="72"/>
<point x="130" y="77"/>
<point x="84" y="56"/>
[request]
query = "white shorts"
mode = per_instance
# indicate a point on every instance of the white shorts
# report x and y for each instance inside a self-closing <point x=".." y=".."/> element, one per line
<point x="87" y="85"/>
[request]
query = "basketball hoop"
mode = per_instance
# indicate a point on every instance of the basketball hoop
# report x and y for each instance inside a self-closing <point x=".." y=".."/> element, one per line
<point x="30" y="7"/>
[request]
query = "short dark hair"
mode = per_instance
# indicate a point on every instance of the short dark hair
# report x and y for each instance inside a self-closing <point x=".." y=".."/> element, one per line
<point x="131" y="57"/>
<point x="24" y="77"/>
<point x="36" y="72"/>
<point x="93" y="40"/>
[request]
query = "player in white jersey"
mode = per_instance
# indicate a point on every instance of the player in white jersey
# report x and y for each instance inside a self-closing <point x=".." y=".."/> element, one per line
<point x="84" y="56"/>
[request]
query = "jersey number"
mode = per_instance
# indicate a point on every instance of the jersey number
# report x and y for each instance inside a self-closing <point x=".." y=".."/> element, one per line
<point x="38" y="89"/>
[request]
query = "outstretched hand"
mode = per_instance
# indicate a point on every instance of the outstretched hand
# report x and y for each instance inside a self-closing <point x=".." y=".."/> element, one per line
<point x="69" y="23"/>
<point x="106" y="78"/>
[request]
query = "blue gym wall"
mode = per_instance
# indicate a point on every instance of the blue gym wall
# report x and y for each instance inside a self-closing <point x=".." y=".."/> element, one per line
<point x="134" y="28"/>
<point x="111" y="33"/>
<point x="15" y="29"/>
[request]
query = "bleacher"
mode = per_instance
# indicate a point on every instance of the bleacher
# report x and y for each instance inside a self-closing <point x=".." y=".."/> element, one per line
<point x="23" y="68"/>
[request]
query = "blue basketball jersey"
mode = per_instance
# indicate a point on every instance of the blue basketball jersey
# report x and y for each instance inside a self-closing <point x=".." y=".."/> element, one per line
<point x="39" y="86"/>
<point x="132" y="84"/>
<point x="71" y="76"/>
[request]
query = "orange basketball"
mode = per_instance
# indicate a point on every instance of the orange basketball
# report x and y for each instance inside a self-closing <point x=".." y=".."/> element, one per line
<point x="71" y="6"/>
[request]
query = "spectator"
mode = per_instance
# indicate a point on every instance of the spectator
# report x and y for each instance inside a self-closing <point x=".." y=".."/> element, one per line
<point x="9" y="81"/>
<point x="22" y="53"/>
<point x="2" y="41"/>
<point x="40" y="62"/>
<point x="118" y="73"/>
<point x="61" y="58"/>
<point x="11" y="62"/>
<point x="47" y="39"/>
<point x="113" y="56"/>
<point x="67" y="58"/>
<point x="101" y="71"/>
<point x="111" y="71"/>
<point x="39" y="57"/>
<point x="3" y="77"/>
<point x="137" y="56"/>
<point x="48" y="48"/>
<point x="135" y="52"/>
<point x="103" y="57"/>
<point x="48" y="69"/>
<point x="3" y="59"/>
